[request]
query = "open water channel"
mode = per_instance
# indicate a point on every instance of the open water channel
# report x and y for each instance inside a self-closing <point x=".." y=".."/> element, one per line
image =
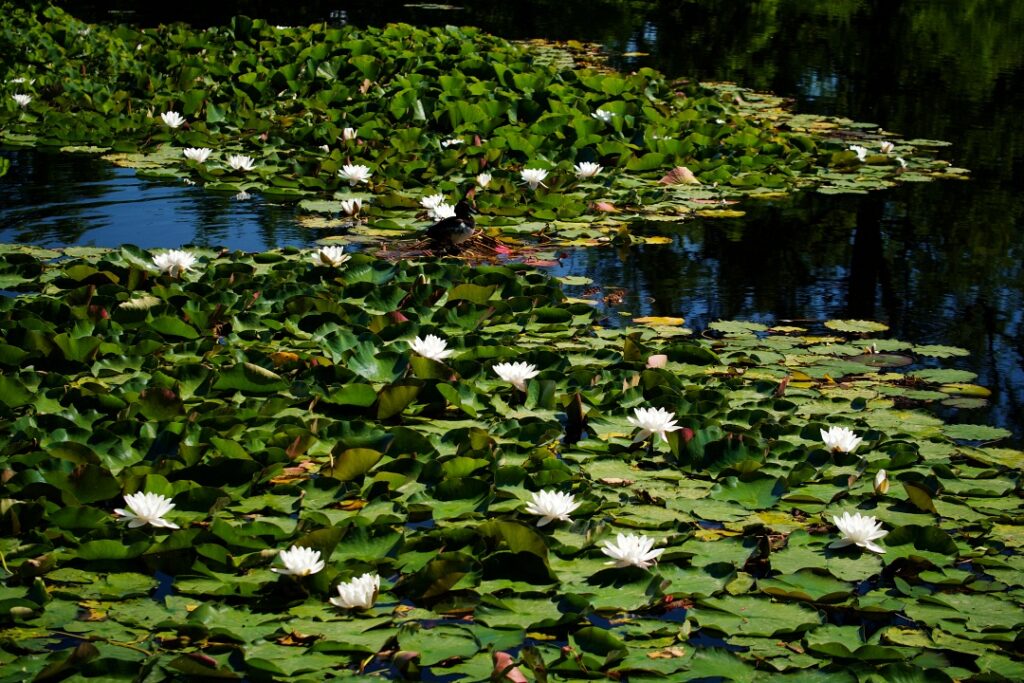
<point x="939" y="262"/>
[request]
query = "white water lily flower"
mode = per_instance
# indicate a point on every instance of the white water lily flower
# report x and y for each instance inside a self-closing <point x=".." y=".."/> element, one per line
<point x="534" y="177"/>
<point x="632" y="550"/>
<point x="862" y="152"/>
<point x="881" y="483"/>
<point x="653" y="421"/>
<point x="241" y="162"/>
<point x="331" y="257"/>
<point x="451" y="142"/>
<point x="326" y="149"/>
<point x="840" y="439"/>
<point x="432" y="347"/>
<point x="22" y="100"/>
<point x="147" y="508"/>
<point x="352" y="206"/>
<point x="604" y="115"/>
<point x="199" y="154"/>
<point x="516" y="373"/>
<point x="432" y="200"/>
<point x="299" y="561"/>
<point x="887" y="147"/>
<point x="355" y="173"/>
<point x="860" y="530"/>
<point x="174" y="262"/>
<point x="483" y="179"/>
<point x="172" y="119"/>
<point x="551" y="505"/>
<point x="242" y="196"/>
<point x="442" y="211"/>
<point x="349" y="134"/>
<point x="359" y="593"/>
<point x="587" y="169"/>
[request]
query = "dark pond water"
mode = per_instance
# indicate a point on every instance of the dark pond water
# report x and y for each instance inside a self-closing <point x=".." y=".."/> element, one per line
<point x="940" y="262"/>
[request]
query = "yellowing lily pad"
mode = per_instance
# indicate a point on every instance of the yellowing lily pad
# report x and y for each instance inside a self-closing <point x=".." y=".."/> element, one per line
<point x="856" y="326"/>
<point x="660" y="321"/>
<point x="721" y="213"/>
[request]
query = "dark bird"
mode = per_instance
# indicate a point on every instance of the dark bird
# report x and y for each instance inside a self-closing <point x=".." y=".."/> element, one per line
<point x="452" y="231"/>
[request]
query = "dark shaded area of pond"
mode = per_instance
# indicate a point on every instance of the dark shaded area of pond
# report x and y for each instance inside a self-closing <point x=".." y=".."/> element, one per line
<point x="940" y="262"/>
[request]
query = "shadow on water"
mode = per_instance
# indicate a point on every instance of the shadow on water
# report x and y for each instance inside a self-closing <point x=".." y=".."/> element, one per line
<point x="939" y="262"/>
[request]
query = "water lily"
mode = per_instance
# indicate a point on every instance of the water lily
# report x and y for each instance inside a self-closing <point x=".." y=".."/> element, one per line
<point x="299" y="561"/>
<point x="355" y="173"/>
<point x="534" y="177"/>
<point x="331" y="257"/>
<point x="657" y="360"/>
<point x="551" y="505"/>
<point x="172" y="119"/>
<point x="174" y="262"/>
<point x="147" y="508"/>
<point x="240" y="162"/>
<point x="881" y="483"/>
<point x="432" y="200"/>
<point x="432" y="347"/>
<point x="352" y="206"/>
<point x="516" y="373"/>
<point x="632" y="550"/>
<point x="242" y="196"/>
<point x="860" y="530"/>
<point x="451" y="142"/>
<point x="587" y="169"/>
<point x="862" y="152"/>
<point x="199" y="154"/>
<point x="359" y="593"/>
<point x="442" y="211"/>
<point x="326" y="149"/>
<point x="840" y="439"/>
<point x="604" y="115"/>
<point x="483" y="179"/>
<point x="22" y="100"/>
<point x="653" y="421"/>
<point x="887" y="147"/>
<point x="349" y="134"/>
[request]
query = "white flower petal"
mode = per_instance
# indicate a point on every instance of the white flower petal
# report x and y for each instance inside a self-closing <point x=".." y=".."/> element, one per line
<point x="300" y="561"/>
<point x="146" y="508"/>
<point x="355" y="173"/>
<point x="534" y="177"/>
<point x="516" y="373"/>
<point x="174" y="262"/>
<point x="432" y="347"/>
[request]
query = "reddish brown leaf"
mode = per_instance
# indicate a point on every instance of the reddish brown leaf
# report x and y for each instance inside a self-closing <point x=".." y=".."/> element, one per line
<point x="506" y="670"/>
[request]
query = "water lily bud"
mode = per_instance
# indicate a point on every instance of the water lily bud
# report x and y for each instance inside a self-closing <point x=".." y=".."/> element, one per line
<point x="19" y="612"/>
<point x="881" y="483"/>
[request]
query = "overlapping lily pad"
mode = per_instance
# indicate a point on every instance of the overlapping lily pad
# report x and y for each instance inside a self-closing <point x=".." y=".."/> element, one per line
<point x="278" y="403"/>
<point x="425" y="110"/>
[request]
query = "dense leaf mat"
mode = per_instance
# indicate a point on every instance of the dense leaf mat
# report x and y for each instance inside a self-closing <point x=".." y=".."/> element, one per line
<point x="430" y="109"/>
<point x="278" y="404"/>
